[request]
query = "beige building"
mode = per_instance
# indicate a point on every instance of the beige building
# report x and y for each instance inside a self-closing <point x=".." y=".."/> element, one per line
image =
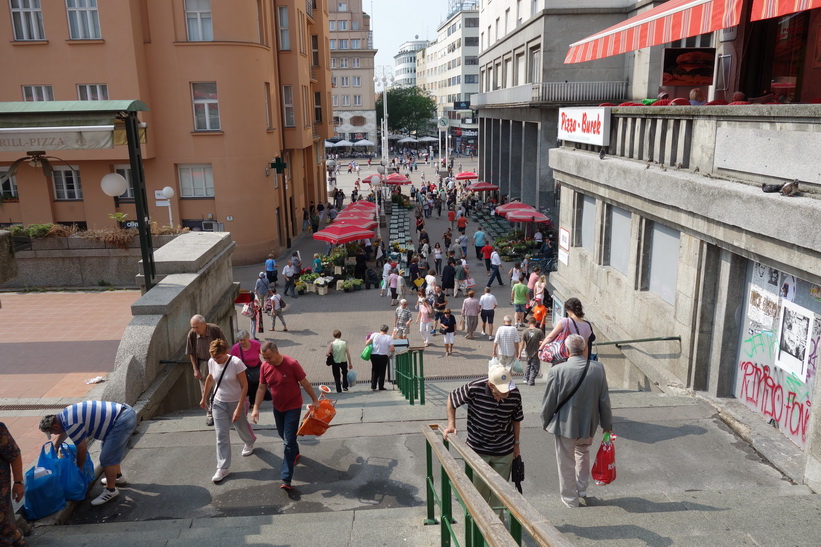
<point x="352" y="60"/>
<point x="230" y="87"/>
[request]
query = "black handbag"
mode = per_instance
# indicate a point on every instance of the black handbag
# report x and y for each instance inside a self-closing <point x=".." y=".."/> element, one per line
<point x="329" y="360"/>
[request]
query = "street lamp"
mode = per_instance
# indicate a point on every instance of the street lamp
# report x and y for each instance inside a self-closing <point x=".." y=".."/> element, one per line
<point x="168" y="193"/>
<point x="384" y="75"/>
<point x="376" y="182"/>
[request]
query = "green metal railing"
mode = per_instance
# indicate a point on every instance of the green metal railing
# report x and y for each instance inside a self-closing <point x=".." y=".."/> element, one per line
<point x="410" y="374"/>
<point x="482" y="525"/>
<point x="619" y="343"/>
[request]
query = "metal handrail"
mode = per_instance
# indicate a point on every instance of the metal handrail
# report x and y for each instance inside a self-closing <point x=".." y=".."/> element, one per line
<point x="410" y="374"/>
<point x="619" y="343"/>
<point x="482" y="524"/>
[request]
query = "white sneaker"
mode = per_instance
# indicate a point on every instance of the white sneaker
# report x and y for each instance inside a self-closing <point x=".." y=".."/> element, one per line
<point x="248" y="449"/>
<point x="120" y="481"/>
<point x="219" y="475"/>
<point x="105" y="497"/>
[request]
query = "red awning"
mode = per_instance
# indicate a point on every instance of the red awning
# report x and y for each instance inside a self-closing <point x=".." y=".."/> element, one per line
<point x="767" y="9"/>
<point x="673" y="20"/>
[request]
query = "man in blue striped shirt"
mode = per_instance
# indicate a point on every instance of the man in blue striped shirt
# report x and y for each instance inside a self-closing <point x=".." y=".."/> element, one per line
<point x="111" y="423"/>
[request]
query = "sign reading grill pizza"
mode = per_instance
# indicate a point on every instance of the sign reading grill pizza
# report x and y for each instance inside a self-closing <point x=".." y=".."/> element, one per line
<point x="588" y="125"/>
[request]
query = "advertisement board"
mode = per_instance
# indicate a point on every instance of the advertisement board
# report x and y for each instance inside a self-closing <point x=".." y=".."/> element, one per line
<point x="688" y="66"/>
<point x="588" y="125"/>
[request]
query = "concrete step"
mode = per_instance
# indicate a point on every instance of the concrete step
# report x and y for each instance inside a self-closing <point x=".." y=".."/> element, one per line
<point x="343" y="528"/>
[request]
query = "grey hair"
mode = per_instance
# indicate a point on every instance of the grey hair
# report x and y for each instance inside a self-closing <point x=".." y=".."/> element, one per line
<point x="47" y="422"/>
<point x="575" y="344"/>
<point x="507" y="319"/>
<point x="242" y="334"/>
<point x="199" y="318"/>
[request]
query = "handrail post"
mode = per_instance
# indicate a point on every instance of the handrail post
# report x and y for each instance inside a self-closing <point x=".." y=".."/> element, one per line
<point x="515" y="528"/>
<point x="421" y="377"/>
<point x="414" y="382"/>
<point x="429" y="484"/>
<point x="446" y="508"/>
<point x="471" y="538"/>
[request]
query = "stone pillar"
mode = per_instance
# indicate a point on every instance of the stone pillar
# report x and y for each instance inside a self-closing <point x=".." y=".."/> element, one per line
<point x="729" y="299"/>
<point x="494" y="152"/>
<point x="530" y="163"/>
<point x="548" y="131"/>
<point x="504" y="157"/>
<point x="516" y="158"/>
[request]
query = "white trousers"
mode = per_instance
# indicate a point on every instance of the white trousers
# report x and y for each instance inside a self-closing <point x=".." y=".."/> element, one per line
<point x="573" y="459"/>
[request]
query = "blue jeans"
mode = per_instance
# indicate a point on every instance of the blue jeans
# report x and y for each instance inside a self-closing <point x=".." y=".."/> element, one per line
<point x="116" y="439"/>
<point x="494" y="274"/>
<point x="287" y="424"/>
<point x="290" y="283"/>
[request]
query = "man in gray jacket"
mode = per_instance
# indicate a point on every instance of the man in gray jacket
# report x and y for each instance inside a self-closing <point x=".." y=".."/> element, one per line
<point x="575" y="422"/>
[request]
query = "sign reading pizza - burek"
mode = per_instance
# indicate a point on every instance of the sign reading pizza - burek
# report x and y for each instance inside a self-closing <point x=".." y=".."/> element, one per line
<point x="588" y="125"/>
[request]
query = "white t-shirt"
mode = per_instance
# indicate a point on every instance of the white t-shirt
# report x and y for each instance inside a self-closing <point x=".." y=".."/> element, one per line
<point x="386" y="270"/>
<point x="488" y="301"/>
<point x="230" y="389"/>
<point x="381" y="344"/>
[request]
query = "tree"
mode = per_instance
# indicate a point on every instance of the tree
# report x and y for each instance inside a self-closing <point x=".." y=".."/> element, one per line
<point x="410" y="109"/>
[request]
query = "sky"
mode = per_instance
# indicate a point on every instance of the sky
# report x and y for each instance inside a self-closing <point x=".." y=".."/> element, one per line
<point x="394" y="22"/>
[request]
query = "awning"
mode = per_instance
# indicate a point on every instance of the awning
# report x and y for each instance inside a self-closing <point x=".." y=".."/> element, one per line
<point x="767" y="9"/>
<point x="671" y="21"/>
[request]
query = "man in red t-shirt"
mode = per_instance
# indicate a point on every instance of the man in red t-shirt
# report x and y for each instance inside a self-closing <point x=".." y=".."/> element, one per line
<point x="487" y="250"/>
<point x="283" y="375"/>
<point x="461" y="223"/>
<point x="452" y="217"/>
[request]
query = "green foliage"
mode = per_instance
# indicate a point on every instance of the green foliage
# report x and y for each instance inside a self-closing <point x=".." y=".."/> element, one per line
<point x="33" y="231"/>
<point x="410" y="109"/>
<point x="119" y="217"/>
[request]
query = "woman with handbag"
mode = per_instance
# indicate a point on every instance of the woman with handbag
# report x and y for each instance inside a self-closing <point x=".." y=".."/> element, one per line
<point x="339" y="359"/>
<point x="247" y="350"/>
<point x="552" y="348"/>
<point x="448" y="327"/>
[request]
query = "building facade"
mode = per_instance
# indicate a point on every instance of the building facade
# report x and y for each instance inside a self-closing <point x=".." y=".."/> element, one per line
<point x="404" y="62"/>
<point x="229" y="87"/>
<point x="352" y="63"/>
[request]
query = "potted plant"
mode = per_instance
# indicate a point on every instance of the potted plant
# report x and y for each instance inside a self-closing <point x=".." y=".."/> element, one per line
<point x="301" y="287"/>
<point x="357" y="284"/>
<point x="321" y="284"/>
<point x="309" y="279"/>
<point x="347" y="285"/>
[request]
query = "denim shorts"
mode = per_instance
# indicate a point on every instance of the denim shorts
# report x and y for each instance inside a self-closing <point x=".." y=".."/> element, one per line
<point x="117" y="438"/>
<point x="519" y="308"/>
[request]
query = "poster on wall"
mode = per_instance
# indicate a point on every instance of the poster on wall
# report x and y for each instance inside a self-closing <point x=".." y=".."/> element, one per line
<point x="763" y="307"/>
<point x="787" y="286"/>
<point x="794" y="339"/>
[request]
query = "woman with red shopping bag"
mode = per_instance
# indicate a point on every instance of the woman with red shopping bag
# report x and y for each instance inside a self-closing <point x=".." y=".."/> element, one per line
<point x="576" y="400"/>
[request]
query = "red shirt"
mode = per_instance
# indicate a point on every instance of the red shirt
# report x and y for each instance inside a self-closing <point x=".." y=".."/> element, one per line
<point x="462" y="222"/>
<point x="487" y="250"/>
<point x="283" y="383"/>
<point x="451" y="215"/>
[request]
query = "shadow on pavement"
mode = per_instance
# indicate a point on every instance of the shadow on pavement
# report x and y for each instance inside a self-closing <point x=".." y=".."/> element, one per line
<point x="649" y="433"/>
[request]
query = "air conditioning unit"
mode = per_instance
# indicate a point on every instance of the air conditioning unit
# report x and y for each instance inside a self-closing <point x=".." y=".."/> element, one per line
<point x="212" y="226"/>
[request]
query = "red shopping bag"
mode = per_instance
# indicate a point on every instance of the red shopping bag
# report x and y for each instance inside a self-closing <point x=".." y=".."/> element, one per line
<point x="604" y="468"/>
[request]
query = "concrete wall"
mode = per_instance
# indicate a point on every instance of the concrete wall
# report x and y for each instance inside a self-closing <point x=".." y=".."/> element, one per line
<point x="197" y="279"/>
<point x="79" y="262"/>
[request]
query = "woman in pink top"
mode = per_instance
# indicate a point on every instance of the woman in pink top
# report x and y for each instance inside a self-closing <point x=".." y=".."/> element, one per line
<point x="425" y="319"/>
<point x="393" y="284"/>
<point x="533" y="279"/>
<point x="247" y="351"/>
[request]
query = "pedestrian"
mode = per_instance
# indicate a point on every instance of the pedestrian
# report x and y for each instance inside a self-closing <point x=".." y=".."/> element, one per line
<point x="386" y="274"/>
<point x="506" y="343"/>
<point x="494" y="422"/>
<point x="449" y="278"/>
<point x="11" y="487"/>
<point x="515" y="273"/>
<point x="393" y="285"/>
<point x="532" y="338"/>
<point x="540" y="289"/>
<point x="461" y="224"/>
<point x="271" y="269"/>
<point x="306" y="219"/>
<point x="316" y="265"/>
<point x="401" y="284"/>
<point x="576" y="400"/>
<point x="380" y="355"/>
<point x="532" y="280"/>
<point x="277" y="308"/>
<point x="495" y="264"/>
<point x="229" y="401"/>
<point x="437" y="258"/>
<point x="283" y="376"/>
<point x="198" y="347"/>
<point x="539" y="312"/>
<point x="463" y="244"/>
<point x="425" y="318"/>
<point x="338" y="352"/>
<point x="448" y="322"/>
<point x="440" y="303"/>
<point x="487" y="251"/>
<point x="430" y="282"/>
<point x="574" y="321"/>
<point x="402" y="320"/>
<point x="470" y="312"/>
<point x="487" y="303"/>
<point x="519" y="299"/>
<point x="479" y="241"/>
<point x="247" y="351"/>
<point x="109" y="422"/>
<point x="290" y="273"/>
<point x="296" y="261"/>
<point x="452" y="218"/>
<point x="255" y="311"/>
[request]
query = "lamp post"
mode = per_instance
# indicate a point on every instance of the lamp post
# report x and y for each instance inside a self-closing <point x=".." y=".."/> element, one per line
<point x="168" y="193"/>
<point x="384" y="75"/>
<point x="376" y="182"/>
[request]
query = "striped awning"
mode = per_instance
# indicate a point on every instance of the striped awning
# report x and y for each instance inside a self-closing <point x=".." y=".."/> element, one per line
<point x="673" y="20"/>
<point x="767" y="9"/>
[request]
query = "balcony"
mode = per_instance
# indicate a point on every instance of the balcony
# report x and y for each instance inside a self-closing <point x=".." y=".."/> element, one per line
<point x="556" y="93"/>
<point x="314" y="73"/>
<point x="310" y="6"/>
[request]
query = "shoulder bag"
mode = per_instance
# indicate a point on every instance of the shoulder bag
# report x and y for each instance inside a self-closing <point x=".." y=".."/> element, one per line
<point x="556" y="352"/>
<point x="251" y="373"/>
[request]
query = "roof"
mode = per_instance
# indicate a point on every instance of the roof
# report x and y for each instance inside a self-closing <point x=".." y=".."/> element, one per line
<point x="42" y="107"/>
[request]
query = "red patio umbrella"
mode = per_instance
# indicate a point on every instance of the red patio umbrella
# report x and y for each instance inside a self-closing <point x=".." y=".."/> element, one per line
<point x="342" y="233"/>
<point x="397" y="179"/>
<point x="367" y="223"/>
<point x="354" y="216"/>
<point x="523" y="215"/>
<point x="482" y="186"/>
<point x="362" y="204"/>
<point x="507" y="208"/>
<point x="467" y="175"/>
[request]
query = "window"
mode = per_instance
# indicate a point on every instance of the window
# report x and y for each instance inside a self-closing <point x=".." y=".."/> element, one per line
<point x="662" y="266"/>
<point x="337" y="120"/>
<point x="535" y="74"/>
<point x="507" y="20"/>
<point x="333" y="81"/>
<point x="346" y="100"/>
<point x="586" y="223"/>
<point x="314" y="50"/>
<point x="471" y="78"/>
<point x="27" y="20"/>
<point x="496" y="29"/>
<point x="342" y="25"/>
<point x="317" y="107"/>
<point x="355" y="62"/>
<point x="302" y="28"/>
<point x="288" y="105"/>
<point x="345" y="81"/>
<point x="67" y="183"/>
<point x="282" y="21"/>
<point x="483" y="40"/>
<point x="343" y="44"/>
<point x="33" y="93"/>
<point x="335" y="102"/>
<point x="471" y="22"/>
<point x="198" y="20"/>
<point x="471" y="60"/>
<point x="534" y="7"/>
<point x="343" y="6"/>
<point x="306" y="106"/>
<point x="331" y="25"/>
<point x="343" y="62"/>
<point x="92" y="92"/>
<point x="196" y="181"/>
<point x="357" y="100"/>
<point x="206" y="106"/>
<point x="354" y="25"/>
<point x="269" y="114"/>
<point x="83" y="21"/>
<point x="332" y="44"/>
<point x="617" y="247"/>
<point x="355" y="44"/>
<point x="125" y="172"/>
<point x="9" y="188"/>
<point x="518" y="12"/>
<point x="471" y="41"/>
<point x="357" y="81"/>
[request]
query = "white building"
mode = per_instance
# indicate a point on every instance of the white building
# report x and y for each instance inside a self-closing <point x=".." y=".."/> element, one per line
<point x="405" y="62"/>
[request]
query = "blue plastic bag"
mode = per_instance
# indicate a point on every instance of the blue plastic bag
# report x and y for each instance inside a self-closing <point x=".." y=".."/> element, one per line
<point x="88" y="467"/>
<point x="44" y="492"/>
<point x="351" y="378"/>
<point x="74" y="480"/>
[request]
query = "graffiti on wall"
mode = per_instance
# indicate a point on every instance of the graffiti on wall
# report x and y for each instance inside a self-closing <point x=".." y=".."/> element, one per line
<point x="781" y="394"/>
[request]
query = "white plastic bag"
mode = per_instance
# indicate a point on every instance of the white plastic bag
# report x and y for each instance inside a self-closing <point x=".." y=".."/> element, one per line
<point x="493" y="362"/>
